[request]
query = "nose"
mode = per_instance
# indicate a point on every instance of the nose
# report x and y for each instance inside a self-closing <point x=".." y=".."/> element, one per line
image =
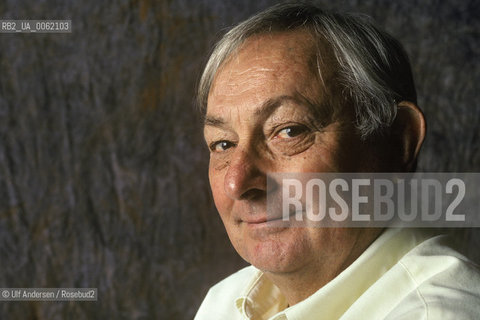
<point x="244" y="179"/>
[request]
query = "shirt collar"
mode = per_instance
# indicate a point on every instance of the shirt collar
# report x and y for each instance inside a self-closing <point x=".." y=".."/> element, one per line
<point x="262" y="299"/>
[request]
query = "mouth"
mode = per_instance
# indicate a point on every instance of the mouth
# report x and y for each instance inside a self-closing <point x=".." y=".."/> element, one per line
<point x="254" y="221"/>
<point x="264" y="222"/>
<point x="265" y="219"/>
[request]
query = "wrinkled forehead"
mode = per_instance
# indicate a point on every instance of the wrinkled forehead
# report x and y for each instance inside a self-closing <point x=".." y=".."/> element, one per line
<point x="266" y="66"/>
<point x="294" y="46"/>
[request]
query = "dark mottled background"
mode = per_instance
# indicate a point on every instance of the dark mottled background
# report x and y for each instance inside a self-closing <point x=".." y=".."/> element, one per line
<point x="102" y="165"/>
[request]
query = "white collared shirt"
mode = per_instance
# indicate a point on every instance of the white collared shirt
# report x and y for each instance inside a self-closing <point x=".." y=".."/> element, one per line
<point x="404" y="274"/>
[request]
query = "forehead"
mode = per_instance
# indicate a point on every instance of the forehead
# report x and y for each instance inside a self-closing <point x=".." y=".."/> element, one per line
<point x="266" y="65"/>
<point x="294" y="47"/>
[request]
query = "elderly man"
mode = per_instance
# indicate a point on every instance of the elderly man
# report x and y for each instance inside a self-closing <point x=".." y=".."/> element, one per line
<point x="297" y="89"/>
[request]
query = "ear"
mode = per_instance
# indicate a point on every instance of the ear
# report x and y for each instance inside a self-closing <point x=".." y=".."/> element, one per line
<point x="409" y="129"/>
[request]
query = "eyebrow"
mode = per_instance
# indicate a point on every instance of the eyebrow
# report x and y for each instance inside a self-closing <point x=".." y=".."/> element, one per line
<point x="213" y="121"/>
<point x="267" y="108"/>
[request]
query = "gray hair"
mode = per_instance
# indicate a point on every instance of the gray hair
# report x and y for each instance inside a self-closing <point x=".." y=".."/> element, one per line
<point x="374" y="70"/>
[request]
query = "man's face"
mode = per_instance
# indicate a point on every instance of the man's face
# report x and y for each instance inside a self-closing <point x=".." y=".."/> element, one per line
<point x="269" y="111"/>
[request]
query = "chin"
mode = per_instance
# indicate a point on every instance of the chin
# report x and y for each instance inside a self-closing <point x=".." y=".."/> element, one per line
<point x="275" y="256"/>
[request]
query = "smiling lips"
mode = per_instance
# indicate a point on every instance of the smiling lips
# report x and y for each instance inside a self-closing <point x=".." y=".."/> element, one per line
<point x="265" y="222"/>
<point x="263" y="218"/>
<point x="255" y="220"/>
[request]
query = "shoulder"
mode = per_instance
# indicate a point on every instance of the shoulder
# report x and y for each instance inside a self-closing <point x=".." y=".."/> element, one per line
<point x="445" y="284"/>
<point x="219" y="302"/>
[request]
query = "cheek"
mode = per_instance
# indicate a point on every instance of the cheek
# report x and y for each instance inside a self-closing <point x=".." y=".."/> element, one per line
<point x="324" y="156"/>
<point x="320" y="159"/>
<point x="216" y="177"/>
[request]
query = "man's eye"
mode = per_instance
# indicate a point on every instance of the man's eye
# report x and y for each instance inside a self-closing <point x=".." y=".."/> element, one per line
<point x="290" y="132"/>
<point x="220" y="146"/>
